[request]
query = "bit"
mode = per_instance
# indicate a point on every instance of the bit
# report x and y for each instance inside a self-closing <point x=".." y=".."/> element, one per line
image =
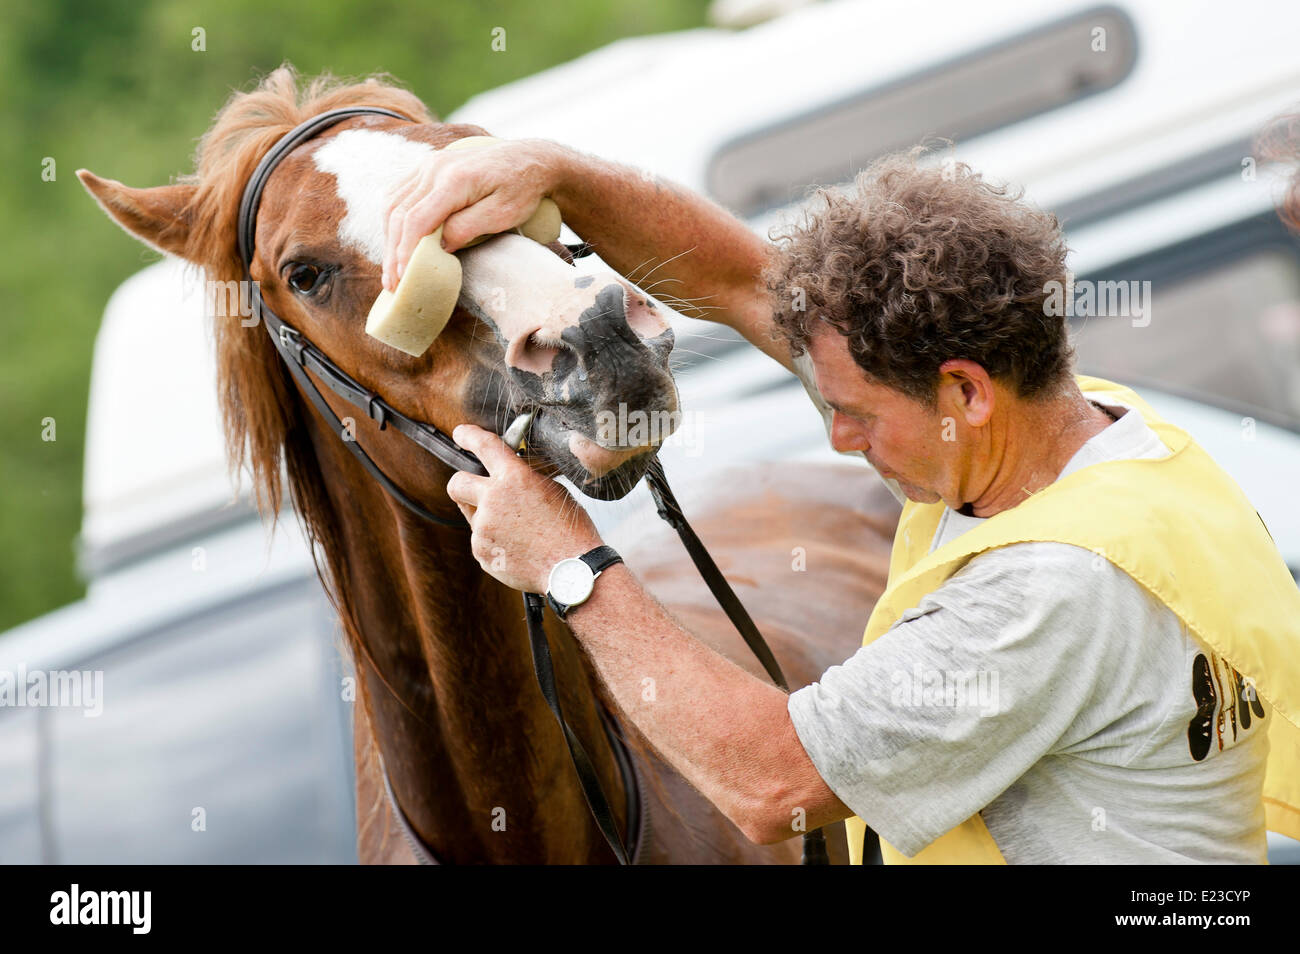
<point x="517" y="433"/>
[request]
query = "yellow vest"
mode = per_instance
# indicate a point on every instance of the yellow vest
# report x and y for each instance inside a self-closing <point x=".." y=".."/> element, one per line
<point x="1183" y="529"/>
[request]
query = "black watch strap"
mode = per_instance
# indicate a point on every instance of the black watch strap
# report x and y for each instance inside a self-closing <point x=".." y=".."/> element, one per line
<point x="599" y="559"/>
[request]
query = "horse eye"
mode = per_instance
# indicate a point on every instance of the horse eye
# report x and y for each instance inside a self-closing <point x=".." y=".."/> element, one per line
<point x="302" y="278"/>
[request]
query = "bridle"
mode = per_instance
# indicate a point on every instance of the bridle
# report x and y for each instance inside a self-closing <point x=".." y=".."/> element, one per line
<point x="300" y="355"/>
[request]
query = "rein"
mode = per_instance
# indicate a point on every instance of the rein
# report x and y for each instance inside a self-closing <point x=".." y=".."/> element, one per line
<point x="300" y="355"/>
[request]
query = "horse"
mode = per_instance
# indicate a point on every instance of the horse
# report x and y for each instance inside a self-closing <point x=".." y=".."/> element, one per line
<point x="445" y="701"/>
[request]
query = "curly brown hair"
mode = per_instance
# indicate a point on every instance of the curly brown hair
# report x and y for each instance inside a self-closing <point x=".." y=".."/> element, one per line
<point x="918" y="265"/>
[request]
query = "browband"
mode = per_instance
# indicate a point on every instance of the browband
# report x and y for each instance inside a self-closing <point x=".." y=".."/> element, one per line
<point x="290" y="141"/>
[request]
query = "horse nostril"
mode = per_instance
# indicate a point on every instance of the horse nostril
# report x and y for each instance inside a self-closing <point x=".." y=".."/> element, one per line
<point x="533" y="353"/>
<point x="644" y="316"/>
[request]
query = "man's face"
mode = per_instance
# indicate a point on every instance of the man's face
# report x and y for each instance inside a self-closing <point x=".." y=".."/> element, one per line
<point x="901" y="438"/>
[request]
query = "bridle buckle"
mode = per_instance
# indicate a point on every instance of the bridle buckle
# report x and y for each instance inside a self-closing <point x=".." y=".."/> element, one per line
<point x="375" y="409"/>
<point x="291" y="341"/>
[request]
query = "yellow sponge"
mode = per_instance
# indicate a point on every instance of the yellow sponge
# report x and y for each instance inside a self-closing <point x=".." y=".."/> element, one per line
<point x="410" y="318"/>
<point x="413" y="316"/>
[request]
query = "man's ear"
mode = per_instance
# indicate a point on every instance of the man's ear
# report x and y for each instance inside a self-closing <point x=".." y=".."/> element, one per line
<point x="160" y="217"/>
<point x="975" y="393"/>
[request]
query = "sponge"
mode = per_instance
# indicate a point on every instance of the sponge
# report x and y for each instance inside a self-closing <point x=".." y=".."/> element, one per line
<point x="411" y="318"/>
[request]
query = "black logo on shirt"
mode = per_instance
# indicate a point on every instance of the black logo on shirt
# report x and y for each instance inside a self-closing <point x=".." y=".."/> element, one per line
<point x="1209" y="719"/>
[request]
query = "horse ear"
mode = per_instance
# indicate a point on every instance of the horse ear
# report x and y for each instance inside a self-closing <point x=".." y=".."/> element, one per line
<point x="159" y="217"/>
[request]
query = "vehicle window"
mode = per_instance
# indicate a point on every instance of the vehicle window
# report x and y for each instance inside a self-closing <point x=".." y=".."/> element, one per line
<point x="1227" y="333"/>
<point x="1040" y="70"/>
<point x="236" y="713"/>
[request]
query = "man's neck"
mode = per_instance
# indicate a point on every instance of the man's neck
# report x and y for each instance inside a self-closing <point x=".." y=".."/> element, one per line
<point x="1028" y="448"/>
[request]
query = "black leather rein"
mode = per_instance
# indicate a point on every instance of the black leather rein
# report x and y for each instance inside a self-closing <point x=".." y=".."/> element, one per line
<point x="300" y="355"/>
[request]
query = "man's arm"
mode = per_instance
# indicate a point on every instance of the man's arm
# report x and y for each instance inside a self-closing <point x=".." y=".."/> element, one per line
<point x="670" y="240"/>
<point x="727" y="732"/>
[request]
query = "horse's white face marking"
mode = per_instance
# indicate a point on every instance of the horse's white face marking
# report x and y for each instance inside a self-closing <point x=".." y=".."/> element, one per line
<point x="527" y="292"/>
<point x="368" y="165"/>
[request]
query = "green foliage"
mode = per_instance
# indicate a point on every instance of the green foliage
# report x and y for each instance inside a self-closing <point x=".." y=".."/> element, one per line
<point x="115" y="86"/>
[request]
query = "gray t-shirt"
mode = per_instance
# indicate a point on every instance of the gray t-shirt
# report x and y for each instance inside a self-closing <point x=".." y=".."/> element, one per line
<point x="1045" y="689"/>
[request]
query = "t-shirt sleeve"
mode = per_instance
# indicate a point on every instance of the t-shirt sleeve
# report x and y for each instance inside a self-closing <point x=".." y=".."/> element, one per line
<point x="925" y="726"/>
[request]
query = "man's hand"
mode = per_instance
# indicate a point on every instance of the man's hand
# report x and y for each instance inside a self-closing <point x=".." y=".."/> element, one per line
<point x="490" y="188"/>
<point x="523" y="523"/>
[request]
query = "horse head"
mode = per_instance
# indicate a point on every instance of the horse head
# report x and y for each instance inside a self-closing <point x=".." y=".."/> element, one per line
<point x="577" y="343"/>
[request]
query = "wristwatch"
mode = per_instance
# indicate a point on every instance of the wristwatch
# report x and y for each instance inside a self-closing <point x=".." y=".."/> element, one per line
<point x="572" y="580"/>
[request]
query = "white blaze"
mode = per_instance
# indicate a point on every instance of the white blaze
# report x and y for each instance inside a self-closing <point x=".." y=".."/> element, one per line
<point x="523" y="288"/>
<point x="368" y="165"/>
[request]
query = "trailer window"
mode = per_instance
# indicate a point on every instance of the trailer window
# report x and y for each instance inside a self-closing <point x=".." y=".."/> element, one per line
<point x="1225" y="331"/>
<point x="1038" y="71"/>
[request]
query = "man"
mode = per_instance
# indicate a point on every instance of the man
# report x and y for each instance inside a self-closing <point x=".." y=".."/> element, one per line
<point x="1087" y="627"/>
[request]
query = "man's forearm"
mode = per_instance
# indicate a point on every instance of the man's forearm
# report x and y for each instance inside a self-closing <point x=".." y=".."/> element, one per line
<point x="636" y="221"/>
<point x="678" y="245"/>
<point x="727" y="732"/>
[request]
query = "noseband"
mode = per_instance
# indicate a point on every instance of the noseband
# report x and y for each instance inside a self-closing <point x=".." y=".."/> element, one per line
<point x="300" y="355"/>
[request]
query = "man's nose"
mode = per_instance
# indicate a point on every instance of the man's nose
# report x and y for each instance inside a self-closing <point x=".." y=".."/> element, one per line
<point x="846" y="435"/>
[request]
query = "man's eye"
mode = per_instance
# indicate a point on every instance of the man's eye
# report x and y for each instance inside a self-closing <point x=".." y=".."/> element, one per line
<point x="303" y="278"/>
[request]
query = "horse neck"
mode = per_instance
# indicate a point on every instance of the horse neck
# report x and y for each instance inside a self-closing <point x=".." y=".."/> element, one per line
<point x="475" y="757"/>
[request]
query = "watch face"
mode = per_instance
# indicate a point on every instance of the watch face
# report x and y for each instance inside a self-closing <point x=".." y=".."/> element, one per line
<point x="571" y="581"/>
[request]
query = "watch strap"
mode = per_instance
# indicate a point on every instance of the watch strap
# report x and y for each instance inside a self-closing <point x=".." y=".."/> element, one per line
<point x="601" y="558"/>
<point x="558" y="608"/>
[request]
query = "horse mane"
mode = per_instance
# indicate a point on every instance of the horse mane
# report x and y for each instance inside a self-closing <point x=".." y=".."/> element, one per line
<point x="264" y="424"/>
